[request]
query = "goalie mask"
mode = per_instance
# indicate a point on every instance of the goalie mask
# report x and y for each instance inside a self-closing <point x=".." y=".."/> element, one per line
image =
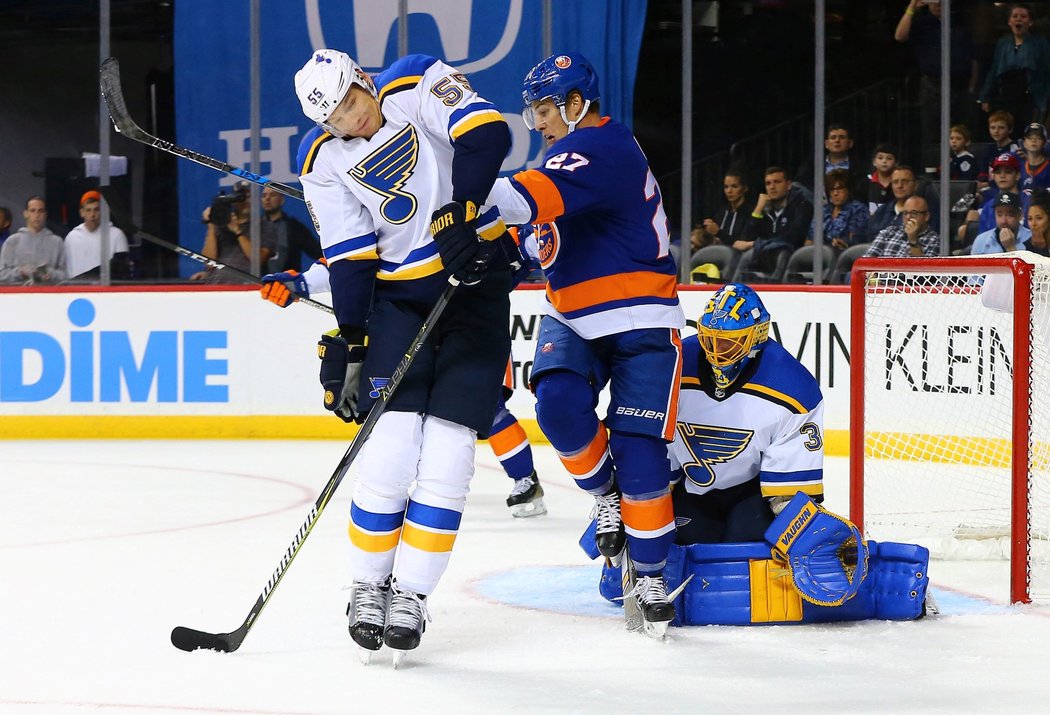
<point x="554" y="79"/>
<point x="323" y="82"/>
<point x="732" y="330"/>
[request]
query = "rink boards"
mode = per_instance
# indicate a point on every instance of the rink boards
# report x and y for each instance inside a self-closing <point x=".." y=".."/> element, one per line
<point x="172" y="362"/>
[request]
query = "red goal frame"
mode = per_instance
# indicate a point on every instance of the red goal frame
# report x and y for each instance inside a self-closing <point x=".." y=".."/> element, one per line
<point x="1020" y="567"/>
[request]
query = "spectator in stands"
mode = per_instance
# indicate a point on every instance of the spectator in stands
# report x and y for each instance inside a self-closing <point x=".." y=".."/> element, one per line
<point x="1006" y="173"/>
<point x="920" y="26"/>
<point x="903" y="185"/>
<point x="293" y="238"/>
<point x="1000" y="129"/>
<point x="1008" y="234"/>
<point x="845" y="220"/>
<point x="1035" y="169"/>
<point x="84" y="244"/>
<point x="34" y="254"/>
<point x="778" y="226"/>
<point x="5" y="224"/>
<point x="912" y="238"/>
<point x="838" y="144"/>
<point x="1039" y="222"/>
<point x="1019" y="78"/>
<point x="875" y="190"/>
<point x="964" y="163"/>
<point x="227" y="238"/>
<point x="730" y="219"/>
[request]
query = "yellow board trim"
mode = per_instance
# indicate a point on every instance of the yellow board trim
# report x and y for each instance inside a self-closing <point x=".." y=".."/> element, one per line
<point x="374" y="543"/>
<point x="774" y="598"/>
<point x="790" y="491"/>
<point x="431" y="541"/>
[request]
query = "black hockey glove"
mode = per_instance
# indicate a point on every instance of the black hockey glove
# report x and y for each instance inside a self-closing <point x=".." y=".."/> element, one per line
<point x="341" y="376"/>
<point x="452" y="227"/>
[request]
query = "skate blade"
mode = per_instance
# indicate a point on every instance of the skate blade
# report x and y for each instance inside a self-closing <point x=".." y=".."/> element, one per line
<point x="398" y="656"/>
<point x="365" y="655"/>
<point x="656" y="630"/>
<point x="536" y="507"/>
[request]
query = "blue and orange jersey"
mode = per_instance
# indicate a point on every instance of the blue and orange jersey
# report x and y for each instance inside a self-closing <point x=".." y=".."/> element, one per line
<point x="602" y="232"/>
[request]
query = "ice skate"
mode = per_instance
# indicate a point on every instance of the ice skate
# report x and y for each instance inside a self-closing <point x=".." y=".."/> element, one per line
<point x="609" y="535"/>
<point x="367" y="611"/>
<point x="647" y="606"/>
<point x="526" y="498"/>
<point x="405" y="623"/>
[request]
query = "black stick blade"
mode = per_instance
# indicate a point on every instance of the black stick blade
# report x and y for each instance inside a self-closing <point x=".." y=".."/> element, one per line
<point x="190" y="640"/>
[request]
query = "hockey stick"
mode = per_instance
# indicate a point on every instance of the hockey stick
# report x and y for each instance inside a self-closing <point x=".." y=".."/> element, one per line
<point x="109" y="81"/>
<point x="189" y="639"/>
<point x="131" y="229"/>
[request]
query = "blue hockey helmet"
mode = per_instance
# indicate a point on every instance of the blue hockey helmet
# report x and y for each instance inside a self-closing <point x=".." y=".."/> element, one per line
<point x="732" y="330"/>
<point x="554" y="79"/>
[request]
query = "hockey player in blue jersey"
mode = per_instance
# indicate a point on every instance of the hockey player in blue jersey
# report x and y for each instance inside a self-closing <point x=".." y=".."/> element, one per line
<point x="417" y="146"/>
<point x="612" y="317"/>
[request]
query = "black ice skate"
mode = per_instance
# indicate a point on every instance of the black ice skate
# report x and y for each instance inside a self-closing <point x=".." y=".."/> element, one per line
<point x="609" y="535"/>
<point x="646" y="604"/>
<point x="367" y="610"/>
<point x="406" y="622"/>
<point x="526" y="498"/>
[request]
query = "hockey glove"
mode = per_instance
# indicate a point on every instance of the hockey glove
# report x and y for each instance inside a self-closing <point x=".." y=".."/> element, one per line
<point x="825" y="553"/>
<point x="341" y="376"/>
<point x="284" y="288"/>
<point x="452" y="227"/>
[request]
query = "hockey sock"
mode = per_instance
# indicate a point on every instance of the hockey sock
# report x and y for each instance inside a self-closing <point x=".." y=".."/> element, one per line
<point x="642" y="473"/>
<point x="565" y="411"/>
<point x="510" y="445"/>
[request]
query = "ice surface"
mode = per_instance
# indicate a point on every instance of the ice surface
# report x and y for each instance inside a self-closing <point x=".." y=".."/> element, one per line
<point x="108" y="545"/>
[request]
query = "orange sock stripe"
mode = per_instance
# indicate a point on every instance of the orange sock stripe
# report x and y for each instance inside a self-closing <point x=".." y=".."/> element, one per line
<point x="587" y="460"/>
<point x="508" y="376"/>
<point x="648" y="515"/>
<point x="507" y="439"/>
<point x="672" y="403"/>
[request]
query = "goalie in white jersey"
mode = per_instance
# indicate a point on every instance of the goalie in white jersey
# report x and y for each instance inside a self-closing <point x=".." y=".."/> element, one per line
<point x="750" y="425"/>
<point x="414" y="146"/>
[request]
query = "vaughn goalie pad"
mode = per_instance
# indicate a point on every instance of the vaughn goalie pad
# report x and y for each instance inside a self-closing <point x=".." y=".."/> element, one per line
<point x="740" y="585"/>
<point x="825" y="553"/>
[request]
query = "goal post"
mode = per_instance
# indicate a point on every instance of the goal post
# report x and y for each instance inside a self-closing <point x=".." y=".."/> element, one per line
<point x="950" y="408"/>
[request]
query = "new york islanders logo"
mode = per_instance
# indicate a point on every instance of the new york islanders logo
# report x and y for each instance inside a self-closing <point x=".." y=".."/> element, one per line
<point x="548" y="240"/>
<point x="386" y="171"/>
<point x="562" y="62"/>
<point x="710" y="446"/>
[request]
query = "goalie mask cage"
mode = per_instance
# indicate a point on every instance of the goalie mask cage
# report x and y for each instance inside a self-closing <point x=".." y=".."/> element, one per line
<point x="950" y="409"/>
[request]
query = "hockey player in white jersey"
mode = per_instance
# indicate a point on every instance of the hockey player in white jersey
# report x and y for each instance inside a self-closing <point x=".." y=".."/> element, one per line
<point x="750" y="425"/>
<point x="413" y="147"/>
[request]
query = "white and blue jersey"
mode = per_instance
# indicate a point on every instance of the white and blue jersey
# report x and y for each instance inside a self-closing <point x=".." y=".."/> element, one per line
<point x="769" y="424"/>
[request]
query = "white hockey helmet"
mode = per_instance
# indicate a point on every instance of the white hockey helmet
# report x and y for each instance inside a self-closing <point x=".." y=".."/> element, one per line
<point x="323" y="82"/>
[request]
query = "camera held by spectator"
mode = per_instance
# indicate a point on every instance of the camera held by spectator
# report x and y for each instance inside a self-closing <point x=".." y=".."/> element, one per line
<point x="222" y="205"/>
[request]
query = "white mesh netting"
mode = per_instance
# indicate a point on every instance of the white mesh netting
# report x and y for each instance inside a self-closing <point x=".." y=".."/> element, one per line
<point x="939" y="413"/>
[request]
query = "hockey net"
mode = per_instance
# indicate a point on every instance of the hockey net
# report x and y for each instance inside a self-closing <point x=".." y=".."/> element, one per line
<point x="950" y="409"/>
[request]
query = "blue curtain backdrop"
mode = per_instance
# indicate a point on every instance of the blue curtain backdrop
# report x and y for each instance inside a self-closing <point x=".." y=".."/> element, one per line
<point x="495" y="42"/>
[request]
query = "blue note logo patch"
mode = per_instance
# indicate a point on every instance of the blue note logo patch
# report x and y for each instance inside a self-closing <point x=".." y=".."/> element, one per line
<point x="378" y="386"/>
<point x="386" y="171"/>
<point x="709" y="446"/>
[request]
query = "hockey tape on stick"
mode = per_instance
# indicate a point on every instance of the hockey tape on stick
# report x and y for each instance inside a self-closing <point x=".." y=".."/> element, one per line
<point x="125" y="223"/>
<point x="109" y="83"/>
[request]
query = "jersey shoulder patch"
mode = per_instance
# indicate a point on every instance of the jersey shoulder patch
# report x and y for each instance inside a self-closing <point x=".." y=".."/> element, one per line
<point x="403" y="75"/>
<point x="782" y="379"/>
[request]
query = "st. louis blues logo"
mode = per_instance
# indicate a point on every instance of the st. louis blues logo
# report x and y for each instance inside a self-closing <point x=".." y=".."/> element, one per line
<point x="386" y="171"/>
<point x="319" y="58"/>
<point x="378" y="386"/>
<point x="710" y="446"/>
<point x="548" y="241"/>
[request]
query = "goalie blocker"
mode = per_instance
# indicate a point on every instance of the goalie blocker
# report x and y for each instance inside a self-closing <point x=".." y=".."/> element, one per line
<point x="752" y="583"/>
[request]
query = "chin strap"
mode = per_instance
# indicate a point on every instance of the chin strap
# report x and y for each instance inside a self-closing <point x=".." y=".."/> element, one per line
<point x="572" y="124"/>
